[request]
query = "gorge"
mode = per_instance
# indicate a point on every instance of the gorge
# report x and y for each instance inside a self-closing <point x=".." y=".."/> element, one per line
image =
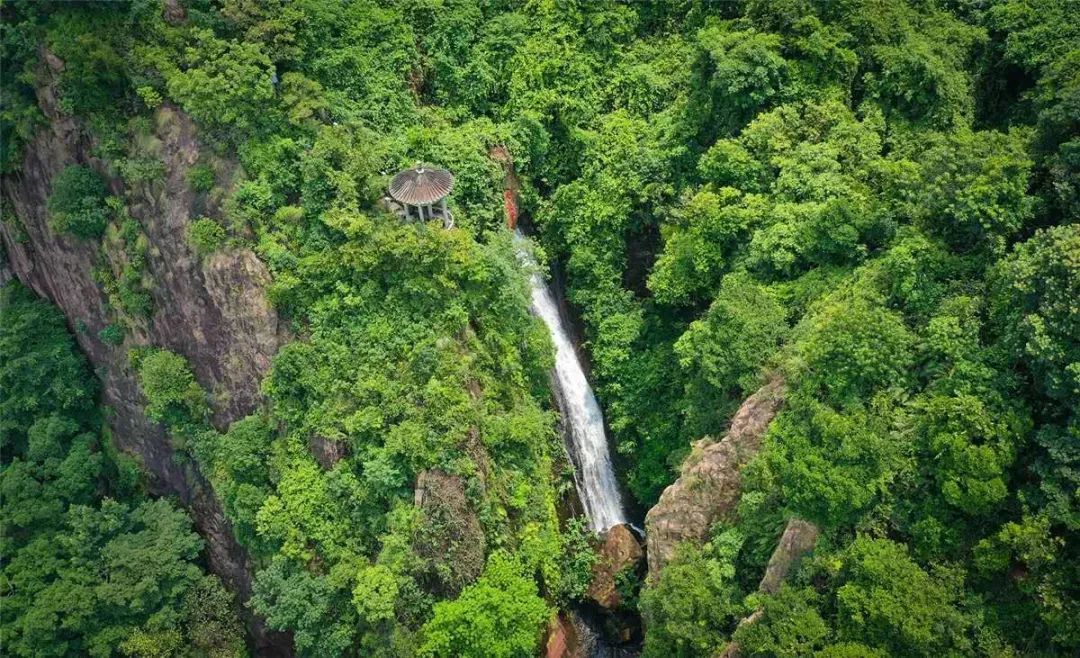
<point x="812" y="318"/>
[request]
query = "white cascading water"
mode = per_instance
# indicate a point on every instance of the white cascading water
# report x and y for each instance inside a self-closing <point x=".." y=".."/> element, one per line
<point x="582" y="419"/>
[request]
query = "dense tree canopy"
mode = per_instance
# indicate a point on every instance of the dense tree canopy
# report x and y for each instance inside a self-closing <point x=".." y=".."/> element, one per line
<point x="876" y="200"/>
<point x="90" y="565"/>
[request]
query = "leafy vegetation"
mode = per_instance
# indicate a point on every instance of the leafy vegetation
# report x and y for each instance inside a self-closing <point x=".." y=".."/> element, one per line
<point x="205" y="235"/>
<point x="77" y="203"/>
<point x="878" y="201"/>
<point x="91" y="566"/>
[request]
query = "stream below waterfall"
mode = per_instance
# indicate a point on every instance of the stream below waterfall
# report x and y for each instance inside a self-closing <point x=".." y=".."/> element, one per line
<point x="582" y="420"/>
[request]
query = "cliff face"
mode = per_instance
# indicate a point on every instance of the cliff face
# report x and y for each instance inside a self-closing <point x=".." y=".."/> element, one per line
<point x="212" y="311"/>
<point x="709" y="482"/>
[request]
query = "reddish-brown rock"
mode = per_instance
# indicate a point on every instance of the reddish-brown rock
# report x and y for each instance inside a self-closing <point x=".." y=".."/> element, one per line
<point x="709" y="481"/>
<point x="619" y="551"/>
<point x="562" y="639"/>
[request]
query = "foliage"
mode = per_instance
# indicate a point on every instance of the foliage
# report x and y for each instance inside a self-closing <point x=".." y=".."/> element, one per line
<point x="77" y="203"/>
<point x="790" y="625"/>
<point x="726" y="349"/>
<point x="221" y="83"/>
<point x="42" y="373"/>
<point x="201" y="178"/>
<point x="875" y="200"/>
<point x="90" y="565"/>
<point x="172" y="394"/>
<point x="576" y="561"/>
<point x="205" y="236"/>
<point x="500" y="615"/>
<point x="696" y="602"/>
<point x="111" y="335"/>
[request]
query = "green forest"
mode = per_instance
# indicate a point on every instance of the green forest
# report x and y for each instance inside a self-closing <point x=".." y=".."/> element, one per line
<point x="871" y="206"/>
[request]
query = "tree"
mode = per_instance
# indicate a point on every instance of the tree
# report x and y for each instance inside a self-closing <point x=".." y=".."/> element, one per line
<point x="696" y="602"/>
<point x="1034" y="311"/>
<point x="789" y="626"/>
<point x="290" y="597"/>
<point x="974" y="188"/>
<point x="851" y="349"/>
<point x="725" y="350"/>
<point x="86" y="574"/>
<point x="223" y="84"/>
<point x="500" y="615"/>
<point x="41" y="371"/>
<point x="77" y="203"/>
<point x="173" y="396"/>
<point x="739" y="73"/>
<point x="889" y="602"/>
<point x="698" y="244"/>
<point x="832" y="466"/>
<point x="205" y="236"/>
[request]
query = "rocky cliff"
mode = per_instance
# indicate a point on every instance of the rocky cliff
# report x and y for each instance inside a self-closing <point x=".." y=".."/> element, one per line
<point x="708" y="486"/>
<point x="213" y="311"/>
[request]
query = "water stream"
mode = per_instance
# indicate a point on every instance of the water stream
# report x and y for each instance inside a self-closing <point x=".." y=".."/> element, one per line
<point x="583" y="421"/>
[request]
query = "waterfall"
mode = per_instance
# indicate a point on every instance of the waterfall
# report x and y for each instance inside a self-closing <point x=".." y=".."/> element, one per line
<point x="582" y="419"/>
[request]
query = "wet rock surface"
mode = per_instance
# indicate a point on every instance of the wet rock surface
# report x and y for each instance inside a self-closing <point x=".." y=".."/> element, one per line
<point x="562" y="639"/>
<point x="619" y="552"/>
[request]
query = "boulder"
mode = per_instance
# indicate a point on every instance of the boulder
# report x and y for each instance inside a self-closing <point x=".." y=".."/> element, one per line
<point x="708" y="487"/>
<point x="799" y="538"/>
<point x="327" y="452"/>
<point x="618" y="552"/>
<point x="562" y="639"/>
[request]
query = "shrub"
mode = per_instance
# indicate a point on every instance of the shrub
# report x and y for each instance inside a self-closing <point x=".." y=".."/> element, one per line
<point x="205" y="236"/>
<point x="111" y="335"/>
<point x="172" y="394"/>
<point x="499" y="615"/>
<point x="201" y="178"/>
<point x="77" y="203"/>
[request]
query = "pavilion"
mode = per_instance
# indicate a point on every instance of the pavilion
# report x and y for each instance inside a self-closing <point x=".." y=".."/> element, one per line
<point x="419" y="189"/>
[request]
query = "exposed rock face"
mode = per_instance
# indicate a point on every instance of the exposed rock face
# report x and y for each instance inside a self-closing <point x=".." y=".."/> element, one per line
<point x="562" y="639"/>
<point x="451" y="532"/>
<point x="213" y="312"/>
<point x="173" y="12"/>
<point x="708" y="486"/>
<point x="619" y="551"/>
<point x="799" y="538"/>
<point x="326" y="452"/>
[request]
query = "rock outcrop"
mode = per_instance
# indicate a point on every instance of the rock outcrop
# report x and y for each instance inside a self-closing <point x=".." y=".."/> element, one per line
<point x="799" y="538"/>
<point x="562" y="639"/>
<point x="326" y="451"/>
<point x="213" y="311"/>
<point x="619" y="551"/>
<point x="709" y="482"/>
<point x="450" y="533"/>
